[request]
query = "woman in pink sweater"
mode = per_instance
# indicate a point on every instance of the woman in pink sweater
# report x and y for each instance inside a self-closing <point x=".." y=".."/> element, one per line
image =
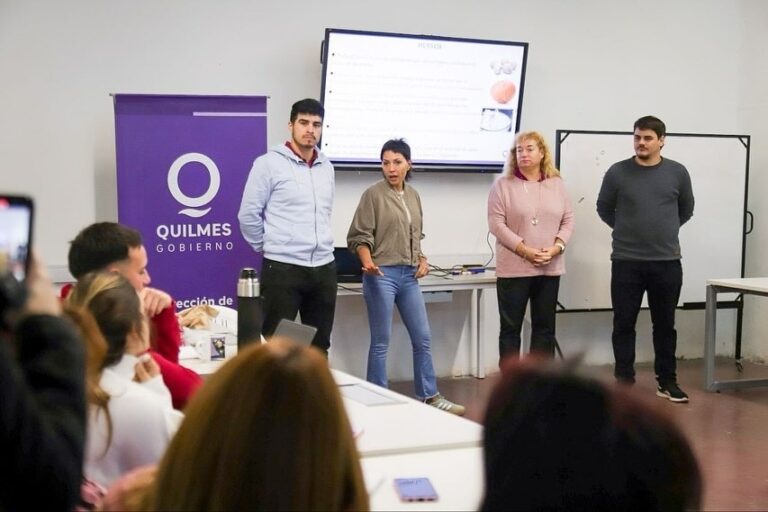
<point x="530" y="214"/>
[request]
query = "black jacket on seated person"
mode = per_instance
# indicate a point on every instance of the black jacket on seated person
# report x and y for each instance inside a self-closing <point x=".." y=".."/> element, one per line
<point x="42" y="415"/>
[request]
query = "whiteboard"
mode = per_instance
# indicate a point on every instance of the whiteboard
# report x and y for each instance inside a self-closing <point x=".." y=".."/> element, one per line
<point x="712" y="242"/>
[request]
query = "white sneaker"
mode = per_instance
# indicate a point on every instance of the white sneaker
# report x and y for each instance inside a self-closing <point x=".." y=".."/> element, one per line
<point x="444" y="404"/>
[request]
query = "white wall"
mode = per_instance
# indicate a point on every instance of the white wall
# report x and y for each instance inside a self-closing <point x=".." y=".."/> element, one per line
<point x="753" y="109"/>
<point x="596" y="64"/>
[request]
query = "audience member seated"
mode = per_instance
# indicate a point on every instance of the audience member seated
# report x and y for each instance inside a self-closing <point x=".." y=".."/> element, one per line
<point x="557" y="441"/>
<point x="268" y="431"/>
<point x="134" y="423"/>
<point x="42" y="397"/>
<point x="108" y="246"/>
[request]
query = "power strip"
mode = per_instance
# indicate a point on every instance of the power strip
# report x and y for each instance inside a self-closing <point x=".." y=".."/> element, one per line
<point x="468" y="270"/>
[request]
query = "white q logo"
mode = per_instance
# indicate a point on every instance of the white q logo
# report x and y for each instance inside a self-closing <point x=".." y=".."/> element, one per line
<point x="194" y="202"/>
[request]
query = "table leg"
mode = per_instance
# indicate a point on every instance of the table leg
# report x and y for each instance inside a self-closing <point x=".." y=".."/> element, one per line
<point x="480" y="335"/>
<point x="473" y="336"/>
<point x="710" y="331"/>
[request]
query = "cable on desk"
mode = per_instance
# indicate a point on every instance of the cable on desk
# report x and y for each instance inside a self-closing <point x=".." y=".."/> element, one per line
<point x="436" y="271"/>
<point x="490" y="246"/>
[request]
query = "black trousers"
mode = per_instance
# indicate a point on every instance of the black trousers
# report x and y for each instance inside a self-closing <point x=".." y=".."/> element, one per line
<point x="513" y="294"/>
<point x="289" y="289"/>
<point x="662" y="281"/>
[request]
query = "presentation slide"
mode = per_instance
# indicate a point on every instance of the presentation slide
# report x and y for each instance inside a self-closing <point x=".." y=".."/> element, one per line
<point x="456" y="102"/>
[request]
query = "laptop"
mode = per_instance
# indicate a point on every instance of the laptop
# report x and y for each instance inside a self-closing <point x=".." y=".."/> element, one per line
<point x="348" y="266"/>
<point x="300" y="333"/>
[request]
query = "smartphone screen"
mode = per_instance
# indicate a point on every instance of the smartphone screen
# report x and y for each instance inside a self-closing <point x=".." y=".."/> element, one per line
<point x="415" y="489"/>
<point x="15" y="235"/>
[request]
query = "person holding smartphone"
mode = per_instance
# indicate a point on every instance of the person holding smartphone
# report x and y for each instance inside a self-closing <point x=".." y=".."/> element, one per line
<point x="42" y="396"/>
<point x="386" y="235"/>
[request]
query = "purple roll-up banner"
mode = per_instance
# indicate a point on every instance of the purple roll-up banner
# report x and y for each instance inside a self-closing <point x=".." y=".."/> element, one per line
<point x="182" y="163"/>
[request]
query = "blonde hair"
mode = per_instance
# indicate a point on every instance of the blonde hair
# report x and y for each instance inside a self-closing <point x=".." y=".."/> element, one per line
<point x="114" y="304"/>
<point x="547" y="164"/>
<point x="268" y="431"/>
<point x="90" y="285"/>
<point x="95" y="352"/>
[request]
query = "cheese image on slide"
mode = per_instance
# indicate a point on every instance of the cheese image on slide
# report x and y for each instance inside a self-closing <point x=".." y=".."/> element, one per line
<point x="495" y="120"/>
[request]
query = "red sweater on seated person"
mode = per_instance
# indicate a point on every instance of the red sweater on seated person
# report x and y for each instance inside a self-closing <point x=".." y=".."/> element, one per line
<point x="165" y="341"/>
<point x="165" y="334"/>
<point x="181" y="382"/>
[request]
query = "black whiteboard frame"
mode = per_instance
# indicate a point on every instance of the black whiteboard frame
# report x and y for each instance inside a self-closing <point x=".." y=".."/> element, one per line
<point x="562" y="134"/>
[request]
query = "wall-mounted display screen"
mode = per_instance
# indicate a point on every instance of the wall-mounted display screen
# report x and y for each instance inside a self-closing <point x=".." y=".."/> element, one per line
<point x="455" y="101"/>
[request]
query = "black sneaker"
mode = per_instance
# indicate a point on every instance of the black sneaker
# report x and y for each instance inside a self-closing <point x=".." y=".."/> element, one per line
<point x="672" y="392"/>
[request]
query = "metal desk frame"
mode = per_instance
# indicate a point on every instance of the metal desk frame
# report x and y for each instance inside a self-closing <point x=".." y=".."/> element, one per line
<point x="475" y="284"/>
<point x="749" y="285"/>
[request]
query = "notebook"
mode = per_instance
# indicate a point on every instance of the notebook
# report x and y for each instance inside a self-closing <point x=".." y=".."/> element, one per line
<point x="300" y="333"/>
<point x="348" y="267"/>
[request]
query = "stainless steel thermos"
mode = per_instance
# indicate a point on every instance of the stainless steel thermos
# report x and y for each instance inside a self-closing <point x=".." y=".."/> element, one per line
<point x="250" y="308"/>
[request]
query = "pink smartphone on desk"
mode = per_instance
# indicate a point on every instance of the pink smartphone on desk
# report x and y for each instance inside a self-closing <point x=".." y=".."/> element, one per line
<point x="415" y="489"/>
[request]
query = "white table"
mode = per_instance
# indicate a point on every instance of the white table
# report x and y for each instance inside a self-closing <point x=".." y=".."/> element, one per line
<point x="405" y="426"/>
<point x="456" y="475"/>
<point x="407" y="439"/>
<point x="475" y="284"/>
<point x="202" y="368"/>
<point x="749" y="285"/>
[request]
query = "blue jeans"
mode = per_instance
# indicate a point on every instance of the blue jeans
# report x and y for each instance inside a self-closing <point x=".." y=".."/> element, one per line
<point x="398" y="286"/>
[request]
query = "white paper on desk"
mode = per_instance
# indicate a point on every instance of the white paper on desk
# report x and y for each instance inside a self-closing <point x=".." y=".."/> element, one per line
<point x="188" y="352"/>
<point x="194" y="337"/>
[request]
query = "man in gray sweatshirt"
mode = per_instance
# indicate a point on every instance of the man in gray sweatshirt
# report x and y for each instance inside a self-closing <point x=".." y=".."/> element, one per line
<point x="286" y="214"/>
<point x="645" y="199"/>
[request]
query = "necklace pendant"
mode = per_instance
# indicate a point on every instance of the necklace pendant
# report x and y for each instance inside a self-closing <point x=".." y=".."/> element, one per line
<point x="534" y="221"/>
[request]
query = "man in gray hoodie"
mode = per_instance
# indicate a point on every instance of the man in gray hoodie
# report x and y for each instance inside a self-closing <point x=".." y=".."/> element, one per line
<point x="286" y="214"/>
